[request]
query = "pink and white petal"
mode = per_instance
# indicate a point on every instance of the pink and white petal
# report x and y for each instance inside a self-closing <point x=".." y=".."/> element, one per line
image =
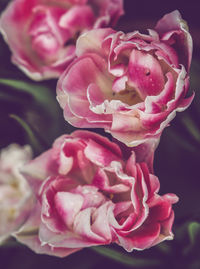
<point x="127" y="127"/>
<point x="92" y="197"/>
<point x="145" y="152"/>
<point x="94" y="95"/>
<point x="140" y="239"/>
<point x="173" y="23"/>
<point x="185" y="103"/>
<point x="145" y="74"/>
<point x="101" y="225"/>
<point x="101" y="140"/>
<point x="63" y="240"/>
<point x="91" y="41"/>
<point x="109" y="12"/>
<point x="167" y="53"/>
<point x="77" y="18"/>
<point x="68" y="205"/>
<point x="102" y="181"/>
<point x="38" y="169"/>
<point x="139" y="196"/>
<point x="156" y="104"/>
<point x="34" y="244"/>
<point x="131" y="167"/>
<point x="90" y="68"/>
<point x="121" y="207"/>
<point x="119" y="84"/>
<point x="30" y="228"/>
<point x="98" y="154"/>
<point x="28" y="235"/>
<point x="85" y="230"/>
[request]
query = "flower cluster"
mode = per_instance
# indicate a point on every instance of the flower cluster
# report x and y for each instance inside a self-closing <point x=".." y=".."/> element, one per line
<point x="87" y="190"/>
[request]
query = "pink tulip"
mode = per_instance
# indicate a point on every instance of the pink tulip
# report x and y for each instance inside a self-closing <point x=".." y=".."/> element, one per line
<point x="88" y="194"/>
<point x="131" y="84"/>
<point x="42" y="33"/>
<point x="15" y="194"/>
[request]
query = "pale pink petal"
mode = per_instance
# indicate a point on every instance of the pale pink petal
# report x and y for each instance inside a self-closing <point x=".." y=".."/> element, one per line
<point x="68" y="205"/>
<point x="91" y="41"/>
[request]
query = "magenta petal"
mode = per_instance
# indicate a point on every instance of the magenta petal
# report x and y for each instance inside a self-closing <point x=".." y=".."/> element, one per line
<point x="141" y="239"/>
<point x="145" y="74"/>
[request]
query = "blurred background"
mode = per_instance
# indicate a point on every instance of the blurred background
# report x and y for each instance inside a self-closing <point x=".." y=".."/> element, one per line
<point x="177" y="158"/>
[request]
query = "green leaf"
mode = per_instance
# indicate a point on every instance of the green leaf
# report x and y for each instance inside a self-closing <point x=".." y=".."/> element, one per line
<point x="193" y="230"/>
<point x="34" y="140"/>
<point x="43" y="98"/>
<point x="9" y="98"/>
<point x="124" y="258"/>
<point x="164" y="247"/>
<point x="40" y="93"/>
<point x="191" y="127"/>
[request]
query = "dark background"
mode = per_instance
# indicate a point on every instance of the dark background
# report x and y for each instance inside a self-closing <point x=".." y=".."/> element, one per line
<point x="177" y="158"/>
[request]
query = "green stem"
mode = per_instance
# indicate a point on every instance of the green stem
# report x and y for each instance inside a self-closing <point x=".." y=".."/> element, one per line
<point x="125" y="258"/>
<point x="34" y="141"/>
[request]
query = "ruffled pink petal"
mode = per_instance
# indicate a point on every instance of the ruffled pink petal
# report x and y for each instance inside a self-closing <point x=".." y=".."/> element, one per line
<point x="91" y="41"/>
<point x="92" y="197"/>
<point x="85" y="230"/>
<point x="156" y="104"/>
<point x="98" y="154"/>
<point x="28" y="235"/>
<point x="101" y="225"/>
<point x="38" y="169"/>
<point x="141" y="239"/>
<point x="110" y="11"/>
<point x="102" y="181"/>
<point x="104" y="141"/>
<point x="67" y="206"/>
<point x="173" y="23"/>
<point x="77" y="18"/>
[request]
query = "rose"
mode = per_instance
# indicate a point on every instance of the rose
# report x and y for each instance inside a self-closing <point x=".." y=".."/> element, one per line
<point x="131" y="84"/>
<point x="15" y="194"/>
<point x="42" y="33"/>
<point x="89" y="195"/>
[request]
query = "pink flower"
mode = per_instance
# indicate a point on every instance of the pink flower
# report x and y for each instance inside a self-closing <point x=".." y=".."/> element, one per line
<point x="42" y="33"/>
<point x="89" y="195"/>
<point x="15" y="194"/>
<point x="131" y="84"/>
